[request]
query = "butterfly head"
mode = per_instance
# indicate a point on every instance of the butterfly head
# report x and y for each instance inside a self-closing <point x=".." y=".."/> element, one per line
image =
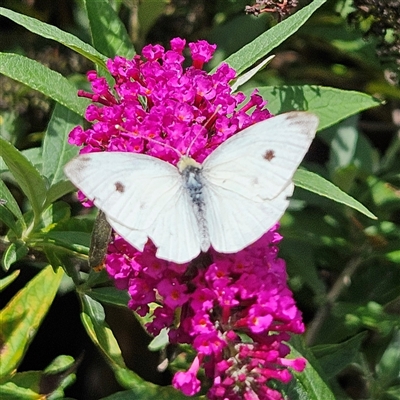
<point x="187" y="161"/>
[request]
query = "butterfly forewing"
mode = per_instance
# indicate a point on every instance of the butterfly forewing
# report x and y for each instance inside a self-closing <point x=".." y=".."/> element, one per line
<point x="175" y="232"/>
<point x="142" y="197"/>
<point x="259" y="162"/>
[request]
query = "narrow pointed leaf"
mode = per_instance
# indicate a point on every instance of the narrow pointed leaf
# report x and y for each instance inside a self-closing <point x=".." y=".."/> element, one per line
<point x="93" y="319"/>
<point x="155" y="393"/>
<point x="265" y="43"/>
<point x="10" y="391"/>
<point x="110" y="295"/>
<point x="42" y="79"/>
<point x="74" y="241"/>
<point x="23" y="315"/>
<point x="52" y="215"/>
<point x="53" y="33"/>
<point x="25" y="174"/>
<point x="34" y="155"/>
<point x="108" y="32"/>
<point x="14" y="252"/>
<point x="56" y="149"/>
<point x="311" y="383"/>
<point x="316" y="184"/>
<point x="9" y="201"/>
<point x="9" y="220"/>
<point x="330" y="104"/>
<point x="58" y="190"/>
<point x="8" y="279"/>
<point x="335" y="357"/>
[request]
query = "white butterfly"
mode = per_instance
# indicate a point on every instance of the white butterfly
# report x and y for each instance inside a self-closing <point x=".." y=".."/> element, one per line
<point x="228" y="202"/>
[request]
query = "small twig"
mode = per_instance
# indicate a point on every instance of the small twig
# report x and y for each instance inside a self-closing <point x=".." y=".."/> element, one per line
<point x="343" y="282"/>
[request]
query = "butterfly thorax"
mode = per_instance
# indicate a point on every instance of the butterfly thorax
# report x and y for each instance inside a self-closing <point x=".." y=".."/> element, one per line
<point x="191" y="174"/>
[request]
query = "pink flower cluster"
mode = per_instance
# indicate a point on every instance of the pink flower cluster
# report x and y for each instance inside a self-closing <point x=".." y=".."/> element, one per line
<point x="221" y="299"/>
<point x="235" y="310"/>
<point x="157" y="106"/>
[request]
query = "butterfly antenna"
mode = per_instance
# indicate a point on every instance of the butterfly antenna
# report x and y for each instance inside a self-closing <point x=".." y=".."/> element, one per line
<point x="206" y="126"/>
<point x="119" y="127"/>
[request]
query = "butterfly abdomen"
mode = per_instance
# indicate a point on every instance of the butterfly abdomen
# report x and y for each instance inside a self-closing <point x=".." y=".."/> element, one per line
<point x="193" y="183"/>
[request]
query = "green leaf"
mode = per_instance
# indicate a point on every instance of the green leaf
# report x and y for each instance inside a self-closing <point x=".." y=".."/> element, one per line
<point x="393" y="393"/>
<point x="23" y="315"/>
<point x="34" y="155"/>
<point x="42" y="79"/>
<point x="335" y="357"/>
<point x="47" y="384"/>
<point x="15" y="251"/>
<point x="388" y="368"/>
<point x="9" y="220"/>
<point x="108" y="32"/>
<point x="58" y="375"/>
<point x="382" y="193"/>
<point x="393" y="256"/>
<point x="56" y="149"/>
<point x="316" y="184"/>
<point x="52" y="215"/>
<point x="311" y="383"/>
<point x="10" y="391"/>
<point x="8" y="279"/>
<point x="371" y="316"/>
<point x="156" y="393"/>
<point x="160" y="341"/>
<point x="93" y="319"/>
<point x="10" y="202"/>
<point x="265" y="43"/>
<point x="53" y="33"/>
<point x="12" y="125"/>
<point x="110" y="295"/>
<point x="348" y="148"/>
<point x="95" y="278"/>
<point x="300" y="259"/>
<point x="60" y="364"/>
<point x="148" y="13"/>
<point x="26" y="383"/>
<point x="58" y="190"/>
<point x="330" y="104"/>
<point x="77" y="242"/>
<point x="59" y="257"/>
<point x="25" y="174"/>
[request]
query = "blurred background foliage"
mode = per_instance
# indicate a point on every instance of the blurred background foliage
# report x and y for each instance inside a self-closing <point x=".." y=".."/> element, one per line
<point x="343" y="267"/>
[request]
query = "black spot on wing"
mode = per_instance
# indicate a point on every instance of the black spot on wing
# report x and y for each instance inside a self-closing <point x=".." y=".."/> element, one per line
<point x="119" y="187"/>
<point x="269" y="155"/>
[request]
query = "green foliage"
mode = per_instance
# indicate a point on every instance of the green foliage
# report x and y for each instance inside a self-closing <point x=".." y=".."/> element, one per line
<point x="22" y="316"/>
<point x="345" y="229"/>
<point x="108" y="32"/>
<point x="53" y="33"/>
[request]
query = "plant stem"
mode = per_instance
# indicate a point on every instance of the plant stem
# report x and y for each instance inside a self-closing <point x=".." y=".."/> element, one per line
<point x="342" y="283"/>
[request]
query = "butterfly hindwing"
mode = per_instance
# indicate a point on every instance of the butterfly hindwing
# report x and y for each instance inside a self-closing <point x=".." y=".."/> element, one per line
<point x="236" y="221"/>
